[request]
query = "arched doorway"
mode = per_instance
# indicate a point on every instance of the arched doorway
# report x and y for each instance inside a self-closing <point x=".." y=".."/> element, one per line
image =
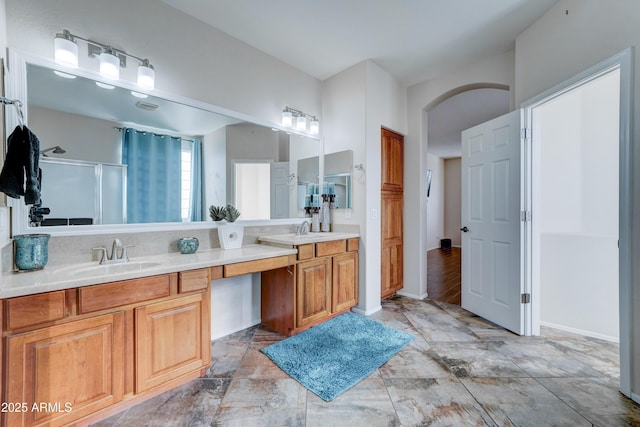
<point x="446" y="118"/>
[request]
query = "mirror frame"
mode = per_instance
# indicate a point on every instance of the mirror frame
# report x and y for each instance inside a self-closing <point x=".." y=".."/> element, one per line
<point x="17" y="89"/>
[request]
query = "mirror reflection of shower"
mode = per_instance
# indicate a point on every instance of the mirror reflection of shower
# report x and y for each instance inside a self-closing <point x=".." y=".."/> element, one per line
<point x="55" y="150"/>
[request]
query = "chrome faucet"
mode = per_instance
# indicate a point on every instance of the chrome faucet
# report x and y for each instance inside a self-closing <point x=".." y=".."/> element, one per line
<point x="303" y="229"/>
<point x="118" y="253"/>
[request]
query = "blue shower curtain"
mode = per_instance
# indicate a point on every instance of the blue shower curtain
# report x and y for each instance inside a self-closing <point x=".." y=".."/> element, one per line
<point x="153" y="176"/>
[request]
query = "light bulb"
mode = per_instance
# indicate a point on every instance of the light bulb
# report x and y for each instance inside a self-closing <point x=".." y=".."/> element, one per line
<point x="287" y="119"/>
<point x="301" y="123"/>
<point x="146" y="75"/>
<point x="314" y="126"/>
<point x="65" y="50"/>
<point x="109" y="65"/>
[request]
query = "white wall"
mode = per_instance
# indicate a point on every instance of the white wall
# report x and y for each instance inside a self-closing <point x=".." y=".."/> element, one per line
<point x="357" y="103"/>
<point x="592" y="31"/>
<point x="576" y="166"/>
<point x="453" y="200"/>
<point x="76" y="134"/>
<point x="436" y="202"/>
<point x="420" y="98"/>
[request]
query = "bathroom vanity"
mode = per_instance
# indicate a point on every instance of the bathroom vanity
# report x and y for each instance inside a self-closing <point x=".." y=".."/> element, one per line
<point x="322" y="283"/>
<point x="88" y="340"/>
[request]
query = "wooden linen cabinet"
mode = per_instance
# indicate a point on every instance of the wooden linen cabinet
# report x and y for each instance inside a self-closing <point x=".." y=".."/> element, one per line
<point x="392" y="213"/>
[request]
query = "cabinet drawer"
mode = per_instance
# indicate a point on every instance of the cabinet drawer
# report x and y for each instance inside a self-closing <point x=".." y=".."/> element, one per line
<point x="193" y="280"/>
<point x="305" y="252"/>
<point x="248" y="267"/>
<point x="34" y="309"/>
<point x="331" y="248"/>
<point x="117" y="294"/>
<point x="352" y="245"/>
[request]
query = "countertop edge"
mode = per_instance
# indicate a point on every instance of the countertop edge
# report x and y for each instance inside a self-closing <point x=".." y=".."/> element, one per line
<point x="51" y="279"/>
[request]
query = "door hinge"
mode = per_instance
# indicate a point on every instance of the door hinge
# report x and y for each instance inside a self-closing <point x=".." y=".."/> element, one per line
<point x="525" y="216"/>
<point x="525" y="298"/>
<point x="525" y="133"/>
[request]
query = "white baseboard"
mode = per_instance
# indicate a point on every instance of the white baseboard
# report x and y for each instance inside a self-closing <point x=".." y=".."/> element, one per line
<point x="413" y="296"/>
<point x="635" y="397"/>
<point x="366" y="312"/>
<point x="581" y="332"/>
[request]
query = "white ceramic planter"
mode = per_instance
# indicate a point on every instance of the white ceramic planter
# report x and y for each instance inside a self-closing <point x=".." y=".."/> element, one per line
<point x="230" y="235"/>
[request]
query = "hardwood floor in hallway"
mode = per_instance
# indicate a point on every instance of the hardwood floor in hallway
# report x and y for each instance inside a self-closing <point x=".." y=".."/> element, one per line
<point x="444" y="275"/>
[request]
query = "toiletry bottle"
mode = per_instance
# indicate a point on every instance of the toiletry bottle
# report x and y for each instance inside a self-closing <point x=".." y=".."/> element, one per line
<point x="315" y="220"/>
<point x="326" y="214"/>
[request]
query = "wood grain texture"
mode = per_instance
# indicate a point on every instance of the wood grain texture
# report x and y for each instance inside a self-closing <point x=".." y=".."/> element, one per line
<point x="392" y="161"/>
<point x="33" y="310"/>
<point x="306" y="251"/>
<point x="277" y="297"/>
<point x="391" y="261"/>
<point x="193" y="280"/>
<point x="444" y="275"/>
<point x="313" y="290"/>
<point x="80" y="362"/>
<point x="117" y="294"/>
<point x="257" y="266"/>
<point x="344" y="291"/>
<point x="170" y="339"/>
<point x="330" y="248"/>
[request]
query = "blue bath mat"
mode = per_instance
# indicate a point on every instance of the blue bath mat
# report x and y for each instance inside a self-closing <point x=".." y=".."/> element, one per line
<point x="332" y="357"/>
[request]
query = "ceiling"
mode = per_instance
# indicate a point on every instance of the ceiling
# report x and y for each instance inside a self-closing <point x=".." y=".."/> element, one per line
<point x="448" y="119"/>
<point x="414" y="40"/>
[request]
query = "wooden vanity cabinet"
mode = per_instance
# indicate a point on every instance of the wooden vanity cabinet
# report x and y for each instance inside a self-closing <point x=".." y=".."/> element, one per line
<point x="322" y="284"/>
<point x="102" y="348"/>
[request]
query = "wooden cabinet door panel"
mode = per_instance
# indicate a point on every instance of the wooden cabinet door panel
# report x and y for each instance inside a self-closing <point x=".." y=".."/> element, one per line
<point x="313" y="291"/>
<point x="172" y="339"/>
<point x="392" y="270"/>
<point x="345" y="281"/>
<point x="76" y="368"/>
<point x="392" y="161"/>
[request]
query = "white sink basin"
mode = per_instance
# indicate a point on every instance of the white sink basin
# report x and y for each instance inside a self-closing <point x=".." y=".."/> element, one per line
<point x="106" y="269"/>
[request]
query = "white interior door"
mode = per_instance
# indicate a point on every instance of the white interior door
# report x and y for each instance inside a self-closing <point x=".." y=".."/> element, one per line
<point x="279" y="190"/>
<point x="491" y="244"/>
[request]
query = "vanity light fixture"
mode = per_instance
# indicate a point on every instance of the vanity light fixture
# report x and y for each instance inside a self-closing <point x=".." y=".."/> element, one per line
<point x="288" y="115"/>
<point x="111" y="59"/>
<point x="105" y="86"/>
<point x="66" y="49"/>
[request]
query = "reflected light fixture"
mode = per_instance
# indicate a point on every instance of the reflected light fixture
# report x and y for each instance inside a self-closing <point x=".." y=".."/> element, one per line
<point x="109" y="64"/>
<point x="66" y="49"/>
<point x="301" y="120"/>
<point x="111" y="59"/>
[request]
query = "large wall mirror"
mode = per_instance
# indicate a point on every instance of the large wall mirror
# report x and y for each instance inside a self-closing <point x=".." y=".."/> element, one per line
<point x="111" y="157"/>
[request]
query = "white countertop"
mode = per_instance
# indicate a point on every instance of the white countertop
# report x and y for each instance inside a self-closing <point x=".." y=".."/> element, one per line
<point x="291" y="239"/>
<point x="53" y="278"/>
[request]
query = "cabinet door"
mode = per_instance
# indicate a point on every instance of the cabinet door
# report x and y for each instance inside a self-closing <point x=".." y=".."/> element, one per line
<point x="345" y="281"/>
<point x="391" y="270"/>
<point x="392" y="213"/>
<point x="392" y="161"/>
<point x="68" y="371"/>
<point x="172" y="339"/>
<point x="313" y="290"/>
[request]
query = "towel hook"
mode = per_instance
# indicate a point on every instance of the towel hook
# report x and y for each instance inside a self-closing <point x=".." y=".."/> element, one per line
<point x="18" y="105"/>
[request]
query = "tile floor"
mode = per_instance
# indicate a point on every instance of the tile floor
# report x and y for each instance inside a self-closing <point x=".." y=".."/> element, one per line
<point x="459" y="371"/>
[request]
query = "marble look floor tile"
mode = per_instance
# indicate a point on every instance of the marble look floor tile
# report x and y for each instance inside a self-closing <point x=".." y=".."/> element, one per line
<point x="193" y="404"/>
<point x="440" y="327"/>
<point x="522" y="402"/>
<point x="366" y="404"/>
<point x="257" y="365"/>
<point x="245" y="335"/>
<point x="255" y="402"/>
<point x="435" y="402"/>
<point x="411" y="362"/>
<point x="602" y="356"/>
<point x="476" y="359"/>
<point x="542" y="359"/>
<point x="597" y="399"/>
<point x="226" y="357"/>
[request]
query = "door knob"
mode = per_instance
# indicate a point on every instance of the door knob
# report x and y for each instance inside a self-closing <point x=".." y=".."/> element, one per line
<point x="465" y="229"/>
